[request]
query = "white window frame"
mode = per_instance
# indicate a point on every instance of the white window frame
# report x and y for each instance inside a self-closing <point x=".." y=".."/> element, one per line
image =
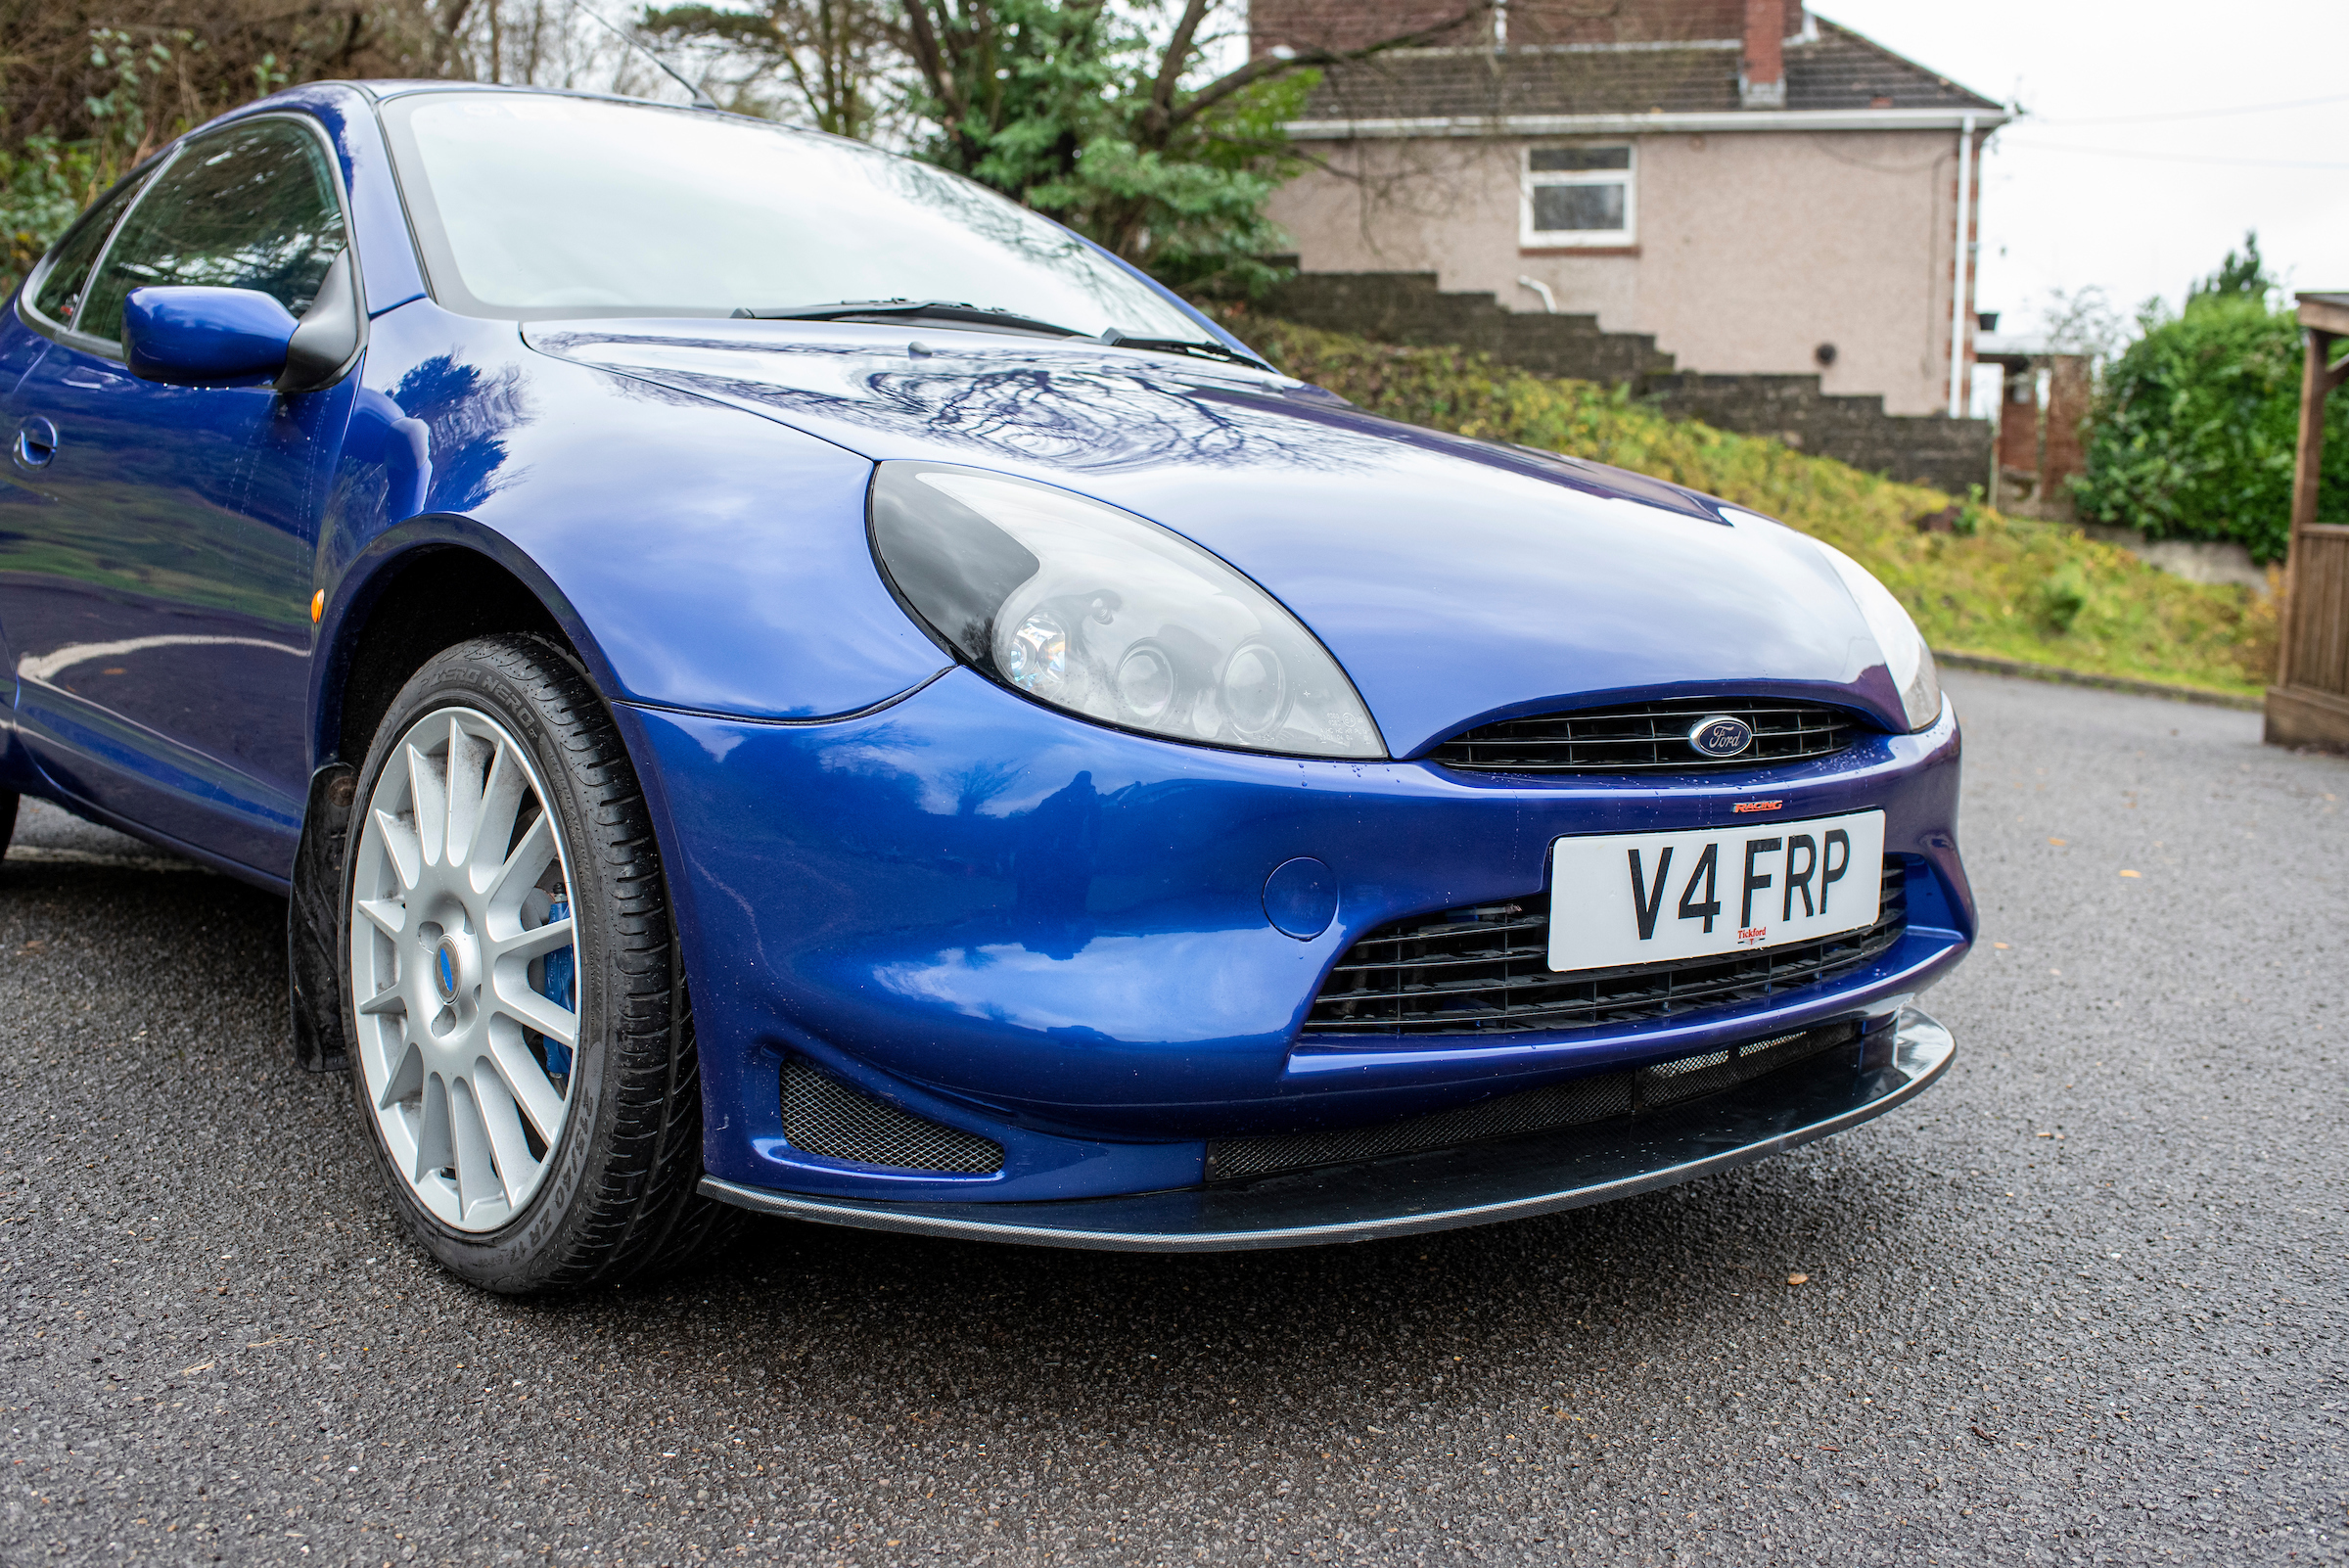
<point x="1628" y="177"/>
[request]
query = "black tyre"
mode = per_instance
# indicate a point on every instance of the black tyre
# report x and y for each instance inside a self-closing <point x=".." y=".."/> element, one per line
<point x="8" y="820"/>
<point x="521" y="1046"/>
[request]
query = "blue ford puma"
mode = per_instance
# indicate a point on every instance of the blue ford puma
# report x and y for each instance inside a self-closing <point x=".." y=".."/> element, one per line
<point x="774" y="678"/>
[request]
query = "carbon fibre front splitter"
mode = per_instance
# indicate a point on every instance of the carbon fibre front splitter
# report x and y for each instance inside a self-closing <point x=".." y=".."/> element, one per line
<point x="1508" y="1178"/>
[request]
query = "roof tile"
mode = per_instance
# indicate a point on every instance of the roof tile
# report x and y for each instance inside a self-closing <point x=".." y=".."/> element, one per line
<point x="1839" y="70"/>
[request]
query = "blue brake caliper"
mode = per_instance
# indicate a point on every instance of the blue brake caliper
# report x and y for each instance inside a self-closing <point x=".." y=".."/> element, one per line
<point x="561" y="969"/>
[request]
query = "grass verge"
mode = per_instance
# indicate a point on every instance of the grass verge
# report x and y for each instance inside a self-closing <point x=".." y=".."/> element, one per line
<point x="2011" y="588"/>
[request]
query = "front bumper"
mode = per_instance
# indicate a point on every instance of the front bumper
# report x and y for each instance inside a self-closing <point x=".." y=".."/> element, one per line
<point x="1511" y="1179"/>
<point x="1055" y="936"/>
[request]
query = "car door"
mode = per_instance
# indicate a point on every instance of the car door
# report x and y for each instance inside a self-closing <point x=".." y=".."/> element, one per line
<point x="156" y="594"/>
<point x="47" y="298"/>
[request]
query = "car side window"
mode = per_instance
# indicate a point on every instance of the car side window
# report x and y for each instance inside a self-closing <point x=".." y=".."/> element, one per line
<point x="253" y="207"/>
<point x="69" y="266"/>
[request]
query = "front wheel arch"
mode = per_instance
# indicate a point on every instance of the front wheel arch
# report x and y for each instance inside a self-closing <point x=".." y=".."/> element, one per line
<point x="429" y="588"/>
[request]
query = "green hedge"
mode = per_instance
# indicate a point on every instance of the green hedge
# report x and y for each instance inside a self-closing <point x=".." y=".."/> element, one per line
<point x="2195" y="425"/>
<point x="43" y="189"/>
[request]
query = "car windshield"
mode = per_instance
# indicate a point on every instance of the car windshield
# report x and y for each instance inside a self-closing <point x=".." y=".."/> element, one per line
<point x="536" y="205"/>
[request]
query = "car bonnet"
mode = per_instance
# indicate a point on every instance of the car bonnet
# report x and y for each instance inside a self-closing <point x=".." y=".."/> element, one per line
<point x="1456" y="580"/>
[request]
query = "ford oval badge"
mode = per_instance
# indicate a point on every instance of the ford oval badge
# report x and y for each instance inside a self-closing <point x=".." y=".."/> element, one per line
<point x="1719" y="737"/>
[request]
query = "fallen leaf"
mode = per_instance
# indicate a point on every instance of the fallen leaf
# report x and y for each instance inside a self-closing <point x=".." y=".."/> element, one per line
<point x="1798" y="1280"/>
<point x="191" y="1371"/>
<point x="2131" y="874"/>
<point x="2001" y="947"/>
<point x="1984" y="1435"/>
<point x="2058" y="843"/>
<point x="2047" y="1135"/>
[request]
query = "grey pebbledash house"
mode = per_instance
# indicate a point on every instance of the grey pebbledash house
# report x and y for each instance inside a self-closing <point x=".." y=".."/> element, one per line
<point x="1758" y="191"/>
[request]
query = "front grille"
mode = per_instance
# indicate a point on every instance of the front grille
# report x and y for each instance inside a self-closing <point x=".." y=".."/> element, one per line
<point x="1485" y="969"/>
<point x="821" y="1115"/>
<point x="1560" y="1105"/>
<point x="1649" y="738"/>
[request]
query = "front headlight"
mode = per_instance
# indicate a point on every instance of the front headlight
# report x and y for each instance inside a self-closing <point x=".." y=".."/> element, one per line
<point x="1108" y="616"/>
<point x="1903" y="646"/>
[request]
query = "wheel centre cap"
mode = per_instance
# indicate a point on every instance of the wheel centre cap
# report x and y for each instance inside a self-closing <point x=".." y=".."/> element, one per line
<point x="444" y="968"/>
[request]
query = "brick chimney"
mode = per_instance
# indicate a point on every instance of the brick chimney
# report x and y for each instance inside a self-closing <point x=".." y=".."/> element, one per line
<point x="1762" y="77"/>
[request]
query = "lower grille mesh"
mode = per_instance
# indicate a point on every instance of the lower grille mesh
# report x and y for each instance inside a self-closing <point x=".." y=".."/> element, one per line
<point x="821" y="1115"/>
<point x="1543" y="1110"/>
<point x="1485" y="969"/>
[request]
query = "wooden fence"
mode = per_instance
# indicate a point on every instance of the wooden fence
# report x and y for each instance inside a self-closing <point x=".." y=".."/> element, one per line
<point x="2309" y="704"/>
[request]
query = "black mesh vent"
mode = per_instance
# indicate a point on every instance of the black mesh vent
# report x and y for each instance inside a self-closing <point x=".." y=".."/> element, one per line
<point x="823" y="1116"/>
<point x="1485" y="969"/>
<point x="1542" y="1110"/>
<point x="1649" y="738"/>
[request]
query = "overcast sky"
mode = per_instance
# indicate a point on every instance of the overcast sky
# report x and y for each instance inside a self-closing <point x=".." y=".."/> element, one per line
<point x="2072" y="197"/>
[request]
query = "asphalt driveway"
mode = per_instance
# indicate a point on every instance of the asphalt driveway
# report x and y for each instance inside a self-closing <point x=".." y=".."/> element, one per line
<point x="2083" y="1302"/>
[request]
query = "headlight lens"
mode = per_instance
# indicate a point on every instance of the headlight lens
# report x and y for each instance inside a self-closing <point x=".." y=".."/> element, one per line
<point x="1903" y="646"/>
<point x="1108" y="616"/>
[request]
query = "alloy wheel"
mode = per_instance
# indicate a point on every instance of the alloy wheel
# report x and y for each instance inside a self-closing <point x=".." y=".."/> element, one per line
<point x="463" y="968"/>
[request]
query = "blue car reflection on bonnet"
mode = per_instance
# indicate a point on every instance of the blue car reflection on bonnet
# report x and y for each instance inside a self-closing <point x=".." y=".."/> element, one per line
<point x="774" y="678"/>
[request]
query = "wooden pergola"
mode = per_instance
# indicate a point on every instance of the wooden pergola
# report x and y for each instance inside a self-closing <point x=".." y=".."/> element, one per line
<point x="2309" y="704"/>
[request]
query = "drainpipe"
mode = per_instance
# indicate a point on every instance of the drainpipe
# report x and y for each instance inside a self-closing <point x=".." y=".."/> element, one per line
<point x="1549" y="301"/>
<point x="1963" y="248"/>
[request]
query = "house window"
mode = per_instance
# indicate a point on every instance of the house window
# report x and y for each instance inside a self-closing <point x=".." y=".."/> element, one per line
<point x="1579" y="196"/>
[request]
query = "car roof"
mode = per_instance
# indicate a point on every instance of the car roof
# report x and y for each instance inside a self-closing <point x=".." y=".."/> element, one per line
<point x="400" y="87"/>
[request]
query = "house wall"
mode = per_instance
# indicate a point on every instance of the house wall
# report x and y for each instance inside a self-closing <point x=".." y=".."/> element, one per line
<point x="1753" y="248"/>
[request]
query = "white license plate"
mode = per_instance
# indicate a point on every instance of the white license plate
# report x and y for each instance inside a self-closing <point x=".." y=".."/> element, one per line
<point x="1649" y="898"/>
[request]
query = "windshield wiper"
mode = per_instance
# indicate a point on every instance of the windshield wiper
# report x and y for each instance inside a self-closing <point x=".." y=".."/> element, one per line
<point x="955" y="311"/>
<point x="963" y="313"/>
<point x="1183" y="346"/>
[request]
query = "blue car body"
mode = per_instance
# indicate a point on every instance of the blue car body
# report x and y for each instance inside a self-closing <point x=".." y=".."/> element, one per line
<point x="967" y="904"/>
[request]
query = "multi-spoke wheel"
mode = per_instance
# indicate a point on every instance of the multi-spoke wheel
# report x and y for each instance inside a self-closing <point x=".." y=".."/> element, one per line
<point x="521" y="1043"/>
<point x="461" y="967"/>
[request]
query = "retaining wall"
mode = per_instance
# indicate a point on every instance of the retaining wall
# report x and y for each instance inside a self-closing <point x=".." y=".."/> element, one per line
<point x="1410" y="308"/>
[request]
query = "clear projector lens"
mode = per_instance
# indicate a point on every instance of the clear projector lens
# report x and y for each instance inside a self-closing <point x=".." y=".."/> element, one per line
<point x="1036" y="656"/>
<point x="1109" y="616"/>
<point x="1146" y="683"/>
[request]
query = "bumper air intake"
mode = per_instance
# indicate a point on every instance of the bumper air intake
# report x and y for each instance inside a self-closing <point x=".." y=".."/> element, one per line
<point x="823" y="1116"/>
<point x="1485" y="969"/>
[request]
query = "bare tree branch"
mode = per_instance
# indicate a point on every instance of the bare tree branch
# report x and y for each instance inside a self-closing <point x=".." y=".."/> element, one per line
<point x="1179" y="54"/>
<point x="1266" y="68"/>
<point x="922" y="45"/>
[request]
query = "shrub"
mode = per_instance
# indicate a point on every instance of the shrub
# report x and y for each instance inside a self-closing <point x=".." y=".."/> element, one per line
<point x="42" y="190"/>
<point x="2061" y="598"/>
<point x="2195" y="426"/>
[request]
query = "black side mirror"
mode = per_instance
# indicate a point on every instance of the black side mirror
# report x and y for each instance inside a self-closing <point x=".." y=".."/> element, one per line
<point x="332" y="331"/>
